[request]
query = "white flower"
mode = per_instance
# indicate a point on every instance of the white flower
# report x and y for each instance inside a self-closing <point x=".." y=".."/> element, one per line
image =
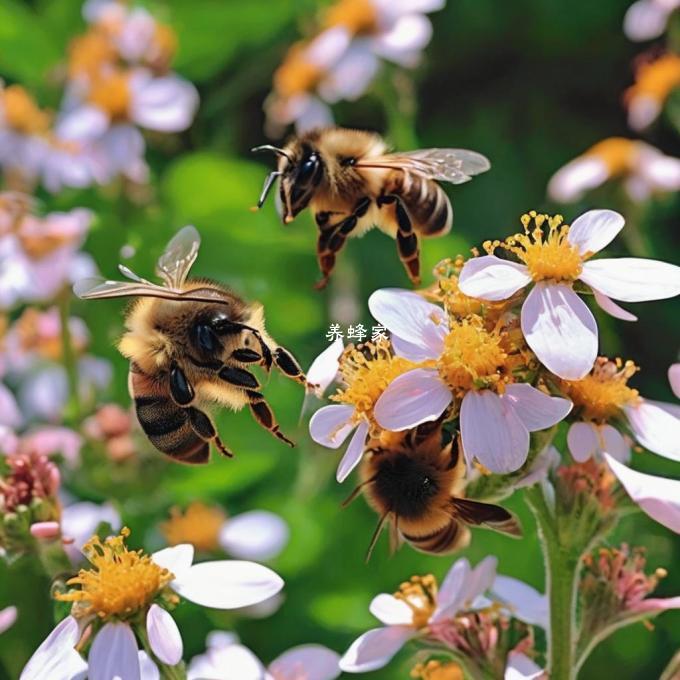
<point x="114" y="652"/>
<point x="643" y="169"/>
<point x="226" y="659"/>
<point x="647" y="19"/>
<point x="254" y="535"/>
<point x="324" y="369"/>
<point x="8" y="616"/>
<point x="494" y="426"/>
<point x="557" y="324"/>
<point x="521" y="601"/>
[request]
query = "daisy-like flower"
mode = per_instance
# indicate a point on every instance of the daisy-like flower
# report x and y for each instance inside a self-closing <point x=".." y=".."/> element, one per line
<point x="654" y="82"/>
<point x="469" y="365"/>
<point x="603" y="397"/>
<point x="643" y="169"/>
<point x="519" y="667"/>
<point x="647" y="19"/>
<point x="366" y="372"/>
<point x="557" y="324"/>
<point x="227" y="659"/>
<point x="127" y="592"/>
<point x="253" y="535"/>
<point x="8" y="616"/>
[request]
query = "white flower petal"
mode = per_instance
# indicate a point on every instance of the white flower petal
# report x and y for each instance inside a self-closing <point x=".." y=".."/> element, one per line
<point x="481" y="579"/>
<point x="452" y="593"/>
<point x="404" y="41"/>
<point x="233" y="662"/>
<point x="415" y="397"/>
<point x="354" y="452"/>
<point x="521" y="667"/>
<point x="324" y="368"/>
<point x="311" y="662"/>
<point x="375" y="648"/>
<point x="643" y="110"/>
<point x="411" y="317"/>
<point x="391" y="611"/>
<point x="570" y="182"/>
<point x="595" y="230"/>
<point x="114" y="654"/>
<point x="657" y="496"/>
<point x="165" y="104"/>
<point x="609" y="306"/>
<point x="176" y="559"/>
<point x="632" y="279"/>
<point x="490" y="278"/>
<point x="147" y="668"/>
<point x="164" y="636"/>
<point x="10" y="415"/>
<point x="537" y="410"/>
<point x="613" y="443"/>
<point x="582" y="440"/>
<point x="330" y="425"/>
<point x="655" y="428"/>
<point x="674" y="379"/>
<point x="524" y="602"/>
<point x="8" y="616"/>
<point x="492" y="432"/>
<point x="646" y="19"/>
<point x="560" y="329"/>
<point x="255" y="535"/>
<point x="85" y="122"/>
<point x="56" y="658"/>
<point x="410" y="351"/>
<point x="227" y="584"/>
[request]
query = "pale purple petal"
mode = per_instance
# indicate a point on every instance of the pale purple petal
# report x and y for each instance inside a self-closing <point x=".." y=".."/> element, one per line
<point x="657" y="496"/>
<point x="230" y="662"/>
<point x="609" y="306"/>
<point x="85" y="122"/>
<point x="166" y="104"/>
<point x="415" y="397"/>
<point x="452" y="592"/>
<point x="375" y="648"/>
<point x="227" y="584"/>
<point x="646" y="19"/>
<point x="546" y="461"/>
<point x="595" y="230"/>
<point x="583" y="441"/>
<point x="655" y="428"/>
<point x="56" y="658"/>
<point x="537" y="410"/>
<point x="481" y="579"/>
<point x="614" y="443"/>
<point x="114" y="654"/>
<point x="570" y="182"/>
<point x="10" y="415"/>
<point x="409" y="351"/>
<point x="311" y="662"/>
<point x="330" y="425"/>
<point x="674" y="379"/>
<point x="324" y="368"/>
<point x="632" y="279"/>
<point x="560" y="329"/>
<point x="411" y="317"/>
<point x="524" y="602"/>
<point x="8" y="616"/>
<point x="79" y="521"/>
<point x="521" y="667"/>
<point x="176" y="559"/>
<point x="490" y="278"/>
<point x="492" y="433"/>
<point x="391" y="611"/>
<point x="354" y="452"/>
<point x="656" y="605"/>
<point x="147" y="668"/>
<point x="164" y="636"/>
<point x="403" y="43"/>
<point x="254" y="535"/>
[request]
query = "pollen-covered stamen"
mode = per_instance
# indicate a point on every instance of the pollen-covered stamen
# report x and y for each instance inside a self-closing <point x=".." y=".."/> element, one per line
<point x="357" y="16"/>
<point x="602" y="394"/>
<point x="20" y="112"/>
<point x="587" y="481"/>
<point x="548" y="254"/>
<point x="437" y="670"/>
<point x="367" y="371"/>
<point x="656" y="79"/>
<point x="199" y="525"/>
<point x="90" y="53"/>
<point x="617" y="153"/>
<point x="420" y="595"/>
<point x="111" y="93"/>
<point x="121" y="582"/>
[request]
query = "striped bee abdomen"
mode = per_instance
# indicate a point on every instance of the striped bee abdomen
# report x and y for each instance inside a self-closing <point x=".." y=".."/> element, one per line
<point x="448" y="538"/>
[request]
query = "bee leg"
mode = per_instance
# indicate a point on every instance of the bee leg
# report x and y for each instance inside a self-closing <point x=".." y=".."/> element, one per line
<point x="238" y="377"/>
<point x="265" y="417"/>
<point x="407" y="239"/>
<point x="287" y="364"/>
<point x="204" y="428"/>
<point x="246" y="356"/>
<point x="180" y="388"/>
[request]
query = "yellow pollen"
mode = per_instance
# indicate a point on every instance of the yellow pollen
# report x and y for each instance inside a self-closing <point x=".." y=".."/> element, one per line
<point x="21" y="113"/>
<point x="617" y="153"/>
<point x="90" y="53"/>
<point x="199" y="525"/>
<point x="437" y="670"/>
<point x="366" y="373"/>
<point x="111" y="93"/>
<point x="164" y="47"/>
<point x="296" y="75"/>
<point x="604" y="391"/>
<point x="120" y="583"/>
<point x="357" y="16"/>
<point x="656" y="79"/>
<point x="548" y="256"/>
<point x="420" y="594"/>
<point x="473" y="358"/>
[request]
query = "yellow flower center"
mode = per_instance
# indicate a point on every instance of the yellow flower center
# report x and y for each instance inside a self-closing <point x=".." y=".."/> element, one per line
<point x="164" y="47"/>
<point x="473" y="358"/>
<point x="120" y="583"/>
<point x="420" y="594"/>
<point x="21" y="113"/>
<point x="548" y="256"/>
<point x="199" y="525"/>
<point x="90" y="53"/>
<point x="111" y="93"/>
<point x="617" y="153"/>
<point x="296" y="75"/>
<point x="357" y="16"/>
<point x="604" y="391"/>
<point x="366" y="373"/>
<point x="656" y="79"/>
<point x="437" y="670"/>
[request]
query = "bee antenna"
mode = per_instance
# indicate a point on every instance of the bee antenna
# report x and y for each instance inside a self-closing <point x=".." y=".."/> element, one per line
<point x="357" y="491"/>
<point x="376" y="534"/>
<point x="273" y="149"/>
<point x="268" y="184"/>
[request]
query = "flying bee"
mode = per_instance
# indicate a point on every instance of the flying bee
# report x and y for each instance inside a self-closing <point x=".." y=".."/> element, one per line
<point x="352" y="184"/>
<point x="190" y="342"/>
<point x="414" y="480"/>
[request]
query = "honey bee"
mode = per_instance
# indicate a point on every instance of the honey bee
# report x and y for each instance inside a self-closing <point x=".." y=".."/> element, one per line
<point x="189" y="342"/>
<point x="413" y="480"/>
<point x="352" y="184"/>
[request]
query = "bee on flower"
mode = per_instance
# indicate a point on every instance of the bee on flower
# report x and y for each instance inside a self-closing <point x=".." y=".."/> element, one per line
<point x="127" y="595"/>
<point x="643" y="169"/>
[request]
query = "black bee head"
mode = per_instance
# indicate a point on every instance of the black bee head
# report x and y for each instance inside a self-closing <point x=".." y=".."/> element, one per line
<point x="300" y="179"/>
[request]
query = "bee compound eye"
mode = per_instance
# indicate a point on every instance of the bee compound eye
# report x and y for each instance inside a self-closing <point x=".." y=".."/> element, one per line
<point x="307" y="168"/>
<point x="205" y="338"/>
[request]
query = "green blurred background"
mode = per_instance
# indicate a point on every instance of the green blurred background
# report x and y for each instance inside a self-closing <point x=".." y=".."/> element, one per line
<point x="531" y="84"/>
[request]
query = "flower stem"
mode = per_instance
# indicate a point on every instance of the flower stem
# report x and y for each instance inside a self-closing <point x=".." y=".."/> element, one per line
<point x="68" y="354"/>
<point x="561" y="579"/>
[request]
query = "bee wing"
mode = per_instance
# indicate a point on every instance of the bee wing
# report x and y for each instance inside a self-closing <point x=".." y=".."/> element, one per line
<point x="174" y="264"/>
<point x="442" y="165"/>
<point x="491" y="516"/>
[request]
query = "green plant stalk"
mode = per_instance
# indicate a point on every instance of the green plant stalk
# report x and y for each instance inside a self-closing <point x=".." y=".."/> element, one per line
<point x="68" y="355"/>
<point x="561" y="581"/>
